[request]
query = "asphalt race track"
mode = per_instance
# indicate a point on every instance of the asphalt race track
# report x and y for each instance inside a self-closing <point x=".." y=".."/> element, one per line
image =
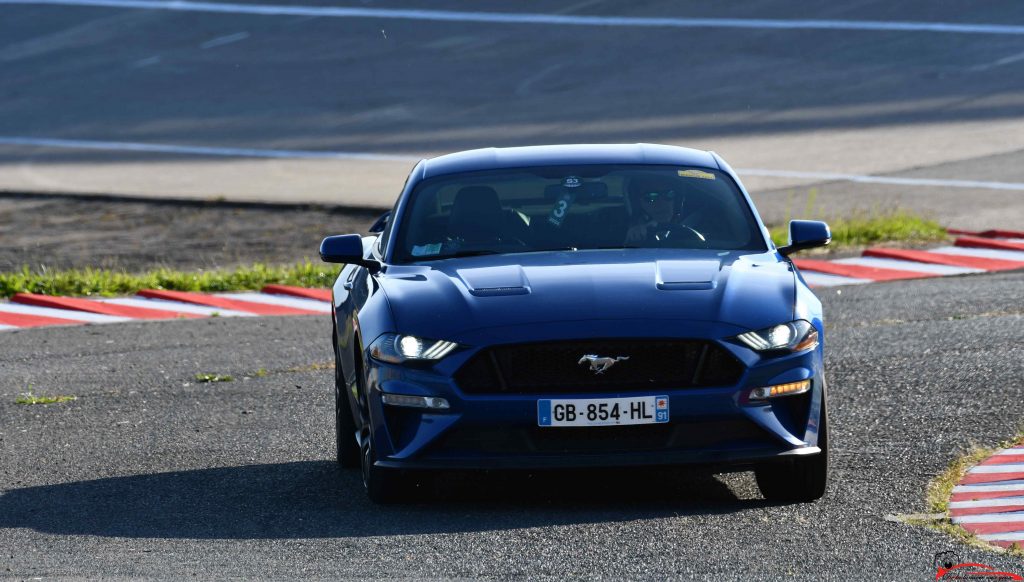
<point x="149" y="474"/>
<point x="896" y="104"/>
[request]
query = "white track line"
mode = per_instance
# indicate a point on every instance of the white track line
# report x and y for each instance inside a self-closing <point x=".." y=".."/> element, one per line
<point x="122" y="146"/>
<point x="296" y="302"/>
<point x="997" y="502"/>
<point x="533" y="18"/>
<point x="175" y="306"/>
<point x="825" y="280"/>
<point x="1007" y="468"/>
<point x="61" y="313"/>
<point x="1013" y="451"/>
<point x="985" y="253"/>
<point x="8" y="327"/>
<point x="990" y="487"/>
<point x="907" y="266"/>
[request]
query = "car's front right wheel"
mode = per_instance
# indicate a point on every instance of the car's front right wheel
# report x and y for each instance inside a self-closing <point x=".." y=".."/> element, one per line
<point x="345" y="425"/>
<point x="800" y="479"/>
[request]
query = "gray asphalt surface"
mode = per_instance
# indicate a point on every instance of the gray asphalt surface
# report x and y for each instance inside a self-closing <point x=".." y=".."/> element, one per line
<point x="891" y="103"/>
<point x="149" y="474"/>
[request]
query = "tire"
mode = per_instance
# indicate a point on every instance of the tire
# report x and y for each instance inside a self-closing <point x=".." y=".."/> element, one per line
<point x="800" y="479"/>
<point x="383" y="486"/>
<point x="344" y="426"/>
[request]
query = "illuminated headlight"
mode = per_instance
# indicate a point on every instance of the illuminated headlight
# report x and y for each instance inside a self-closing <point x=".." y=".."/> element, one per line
<point x="432" y="402"/>
<point x="397" y="348"/>
<point x="790" y="389"/>
<point x="795" y="336"/>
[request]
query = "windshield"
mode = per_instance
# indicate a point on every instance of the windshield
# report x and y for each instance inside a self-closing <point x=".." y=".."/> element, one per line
<point x="575" y="208"/>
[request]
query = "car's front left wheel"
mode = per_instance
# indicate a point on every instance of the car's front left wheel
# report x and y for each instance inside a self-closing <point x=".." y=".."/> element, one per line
<point x="800" y="479"/>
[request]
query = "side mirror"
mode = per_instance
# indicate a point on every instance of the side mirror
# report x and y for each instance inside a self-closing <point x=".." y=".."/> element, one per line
<point x="348" y="249"/>
<point x="806" y="234"/>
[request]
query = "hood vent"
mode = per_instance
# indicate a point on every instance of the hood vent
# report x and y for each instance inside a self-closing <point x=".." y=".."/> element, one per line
<point x="687" y="275"/>
<point x="495" y="281"/>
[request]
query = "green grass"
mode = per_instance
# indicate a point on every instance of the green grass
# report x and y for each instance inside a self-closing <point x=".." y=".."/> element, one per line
<point x="30" y="398"/>
<point x="104" y="282"/>
<point x="202" y="378"/>
<point x="891" y="226"/>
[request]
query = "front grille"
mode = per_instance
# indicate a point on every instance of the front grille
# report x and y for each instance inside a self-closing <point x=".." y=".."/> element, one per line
<point x="555" y="368"/>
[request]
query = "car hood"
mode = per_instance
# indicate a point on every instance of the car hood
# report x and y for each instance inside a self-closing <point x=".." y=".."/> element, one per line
<point x="447" y="298"/>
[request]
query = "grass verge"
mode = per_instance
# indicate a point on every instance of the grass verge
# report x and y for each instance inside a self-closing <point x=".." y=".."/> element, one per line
<point x="861" y="230"/>
<point x="104" y="282"/>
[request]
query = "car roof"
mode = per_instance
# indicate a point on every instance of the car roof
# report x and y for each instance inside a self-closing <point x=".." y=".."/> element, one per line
<point x="564" y="155"/>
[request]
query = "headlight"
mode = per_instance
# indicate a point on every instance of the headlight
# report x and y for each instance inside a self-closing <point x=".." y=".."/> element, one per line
<point x="795" y="336"/>
<point x="398" y="348"/>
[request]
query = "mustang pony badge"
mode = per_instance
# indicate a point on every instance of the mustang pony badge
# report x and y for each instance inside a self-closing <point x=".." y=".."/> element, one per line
<point x="599" y="364"/>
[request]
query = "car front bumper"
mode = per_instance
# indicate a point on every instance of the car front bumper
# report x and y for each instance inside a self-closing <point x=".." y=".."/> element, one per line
<point x="714" y="426"/>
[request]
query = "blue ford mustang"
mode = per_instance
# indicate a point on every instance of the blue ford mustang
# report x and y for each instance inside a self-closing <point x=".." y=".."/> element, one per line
<point x="577" y="306"/>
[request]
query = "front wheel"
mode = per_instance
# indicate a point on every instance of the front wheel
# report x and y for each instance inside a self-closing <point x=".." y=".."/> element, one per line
<point x="383" y="486"/>
<point x="345" y="426"/>
<point x="800" y="479"/>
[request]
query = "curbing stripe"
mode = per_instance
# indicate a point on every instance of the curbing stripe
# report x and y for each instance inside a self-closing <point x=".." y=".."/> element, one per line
<point x="176" y="306"/>
<point x="1003" y="458"/>
<point x="944" y="259"/>
<point x="317" y="294"/>
<point x="857" y="271"/>
<point x="903" y="265"/>
<point x="19" y="320"/>
<point x="987" y="253"/>
<point x="1017" y="518"/>
<point x="64" y="314"/>
<point x="288" y="301"/>
<point x="996" y="502"/>
<point x="1004" y="468"/>
<point x="89" y="306"/>
<point x="981" y="478"/>
<point x="983" y="496"/>
<point x="994" y="233"/>
<point x="218" y="301"/>
<point x="988" y="243"/>
<point x="992" y="527"/>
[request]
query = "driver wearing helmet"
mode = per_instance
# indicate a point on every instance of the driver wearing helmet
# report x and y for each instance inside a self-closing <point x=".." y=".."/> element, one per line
<point x="657" y="212"/>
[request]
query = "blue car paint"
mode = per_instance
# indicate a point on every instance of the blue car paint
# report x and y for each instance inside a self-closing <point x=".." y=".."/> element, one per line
<point x="566" y="295"/>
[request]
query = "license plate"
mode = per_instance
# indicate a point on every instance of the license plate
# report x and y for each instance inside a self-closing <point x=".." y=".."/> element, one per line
<point x="602" y="411"/>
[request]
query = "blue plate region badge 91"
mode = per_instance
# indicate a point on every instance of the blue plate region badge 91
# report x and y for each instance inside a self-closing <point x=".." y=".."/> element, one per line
<point x="603" y="411"/>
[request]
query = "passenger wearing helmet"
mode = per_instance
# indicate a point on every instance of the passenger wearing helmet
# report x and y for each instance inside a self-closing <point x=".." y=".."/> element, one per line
<point x="657" y="205"/>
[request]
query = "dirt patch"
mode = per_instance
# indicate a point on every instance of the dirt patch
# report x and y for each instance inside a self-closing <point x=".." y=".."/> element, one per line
<point x="50" y="231"/>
